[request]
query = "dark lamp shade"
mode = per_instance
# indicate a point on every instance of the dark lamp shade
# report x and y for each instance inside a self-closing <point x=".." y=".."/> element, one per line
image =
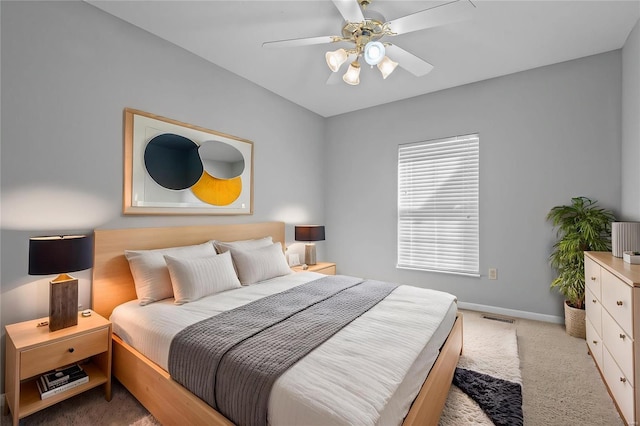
<point x="309" y="233"/>
<point x="60" y="254"/>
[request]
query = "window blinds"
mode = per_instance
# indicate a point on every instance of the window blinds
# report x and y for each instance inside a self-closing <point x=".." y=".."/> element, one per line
<point x="438" y="186"/>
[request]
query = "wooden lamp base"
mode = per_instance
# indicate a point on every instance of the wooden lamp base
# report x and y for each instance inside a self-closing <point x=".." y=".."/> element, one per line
<point x="63" y="302"/>
<point x="310" y="254"/>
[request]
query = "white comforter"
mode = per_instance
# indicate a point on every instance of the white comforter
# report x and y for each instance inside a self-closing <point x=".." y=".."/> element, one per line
<point x="366" y="374"/>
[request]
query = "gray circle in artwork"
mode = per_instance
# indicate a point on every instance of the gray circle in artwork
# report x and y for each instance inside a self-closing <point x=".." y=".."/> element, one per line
<point x="221" y="160"/>
<point x="172" y="161"/>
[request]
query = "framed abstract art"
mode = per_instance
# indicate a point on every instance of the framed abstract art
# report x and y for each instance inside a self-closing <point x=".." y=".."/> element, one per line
<point x="172" y="167"/>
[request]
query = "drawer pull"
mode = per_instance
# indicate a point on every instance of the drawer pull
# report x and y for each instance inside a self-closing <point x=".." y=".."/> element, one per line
<point x="619" y="302"/>
<point x="623" y="380"/>
<point x="595" y="342"/>
<point x="622" y="336"/>
<point x="594" y="300"/>
<point x="593" y="278"/>
<point x="71" y="350"/>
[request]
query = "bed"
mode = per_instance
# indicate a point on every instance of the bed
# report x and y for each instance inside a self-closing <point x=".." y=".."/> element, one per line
<point x="171" y="403"/>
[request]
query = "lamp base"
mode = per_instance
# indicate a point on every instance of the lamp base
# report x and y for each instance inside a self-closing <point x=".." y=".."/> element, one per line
<point x="310" y="254"/>
<point x="63" y="302"/>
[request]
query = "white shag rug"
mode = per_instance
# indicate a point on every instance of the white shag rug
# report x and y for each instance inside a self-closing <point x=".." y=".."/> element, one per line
<point x="489" y="347"/>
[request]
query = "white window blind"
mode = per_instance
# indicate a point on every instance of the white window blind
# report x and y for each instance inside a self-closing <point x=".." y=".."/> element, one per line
<point x="438" y="186"/>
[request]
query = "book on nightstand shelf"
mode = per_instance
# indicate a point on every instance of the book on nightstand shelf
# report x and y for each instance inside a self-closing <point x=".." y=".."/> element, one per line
<point x="59" y="380"/>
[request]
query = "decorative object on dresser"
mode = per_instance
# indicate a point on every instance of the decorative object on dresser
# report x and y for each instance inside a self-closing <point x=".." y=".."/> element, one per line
<point x="581" y="226"/>
<point x="32" y="350"/>
<point x="613" y="326"/>
<point x="310" y="233"/>
<point x="171" y="167"/>
<point x="625" y="236"/>
<point x="60" y="255"/>
<point x="632" y="257"/>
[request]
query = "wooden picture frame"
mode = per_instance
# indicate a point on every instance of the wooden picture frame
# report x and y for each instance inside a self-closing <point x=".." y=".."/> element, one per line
<point x="175" y="168"/>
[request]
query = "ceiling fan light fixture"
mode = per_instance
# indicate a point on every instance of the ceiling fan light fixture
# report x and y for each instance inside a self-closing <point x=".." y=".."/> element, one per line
<point x="336" y="58"/>
<point x="352" y="76"/>
<point x="386" y="67"/>
<point x="374" y="52"/>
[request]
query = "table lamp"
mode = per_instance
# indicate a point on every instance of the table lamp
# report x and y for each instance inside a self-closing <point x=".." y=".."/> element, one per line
<point x="60" y="255"/>
<point x="309" y="233"/>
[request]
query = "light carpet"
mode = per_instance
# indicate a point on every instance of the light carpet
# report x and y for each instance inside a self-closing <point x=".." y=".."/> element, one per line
<point x="490" y="347"/>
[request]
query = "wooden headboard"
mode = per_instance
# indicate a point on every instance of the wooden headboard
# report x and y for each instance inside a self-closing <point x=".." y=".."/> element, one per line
<point x="112" y="280"/>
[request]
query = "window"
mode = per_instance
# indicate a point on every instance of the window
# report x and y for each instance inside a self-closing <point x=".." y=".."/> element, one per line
<point x="438" y="186"/>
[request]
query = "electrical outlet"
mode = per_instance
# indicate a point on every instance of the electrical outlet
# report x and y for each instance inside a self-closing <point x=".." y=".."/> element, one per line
<point x="493" y="273"/>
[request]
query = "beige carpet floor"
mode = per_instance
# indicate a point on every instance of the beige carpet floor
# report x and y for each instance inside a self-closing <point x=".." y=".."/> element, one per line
<point x="561" y="385"/>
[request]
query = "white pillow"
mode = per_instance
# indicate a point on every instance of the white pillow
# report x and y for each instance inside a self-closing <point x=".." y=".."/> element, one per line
<point x="150" y="273"/>
<point x="221" y="246"/>
<point x="196" y="277"/>
<point x="260" y="264"/>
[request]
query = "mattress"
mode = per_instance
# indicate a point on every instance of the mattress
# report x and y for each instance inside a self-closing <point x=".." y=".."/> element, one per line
<point x="368" y="373"/>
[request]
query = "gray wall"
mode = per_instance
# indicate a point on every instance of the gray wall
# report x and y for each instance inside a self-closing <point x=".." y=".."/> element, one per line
<point x="631" y="126"/>
<point x="546" y="135"/>
<point x="68" y="71"/>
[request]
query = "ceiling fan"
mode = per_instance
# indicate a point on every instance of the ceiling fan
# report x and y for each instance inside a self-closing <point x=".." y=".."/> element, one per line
<point x="365" y="29"/>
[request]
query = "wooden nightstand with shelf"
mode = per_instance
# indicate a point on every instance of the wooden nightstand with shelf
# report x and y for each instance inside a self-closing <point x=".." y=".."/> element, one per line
<point x="327" y="268"/>
<point x="32" y="350"/>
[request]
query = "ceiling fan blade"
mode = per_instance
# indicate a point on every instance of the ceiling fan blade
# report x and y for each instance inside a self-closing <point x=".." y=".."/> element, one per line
<point x="409" y="61"/>
<point x="350" y="10"/>
<point x="455" y="11"/>
<point x="295" y="42"/>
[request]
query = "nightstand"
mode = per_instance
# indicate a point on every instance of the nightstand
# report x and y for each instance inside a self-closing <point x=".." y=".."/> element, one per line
<point x="32" y="350"/>
<point x="327" y="268"/>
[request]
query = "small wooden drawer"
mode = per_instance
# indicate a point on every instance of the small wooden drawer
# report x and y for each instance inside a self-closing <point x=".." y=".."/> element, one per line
<point x="331" y="270"/>
<point x="619" y="344"/>
<point x="50" y="356"/>
<point x="592" y="276"/>
<point x="327" y="268"/>
<point x="594" y="310"/>
<point x="617" y="300"/>
<point x="620" y="387"/>
<point x="594" y="341"/>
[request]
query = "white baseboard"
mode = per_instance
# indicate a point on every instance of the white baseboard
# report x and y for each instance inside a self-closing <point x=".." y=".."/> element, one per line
<point x="511" y="312"/>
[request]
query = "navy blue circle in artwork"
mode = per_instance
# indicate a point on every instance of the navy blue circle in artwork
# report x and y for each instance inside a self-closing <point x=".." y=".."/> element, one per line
<point x="173" y="161"/>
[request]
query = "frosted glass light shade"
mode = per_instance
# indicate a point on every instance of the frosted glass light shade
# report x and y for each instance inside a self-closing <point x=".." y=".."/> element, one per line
<point x="352" y="76"/>
<point x="386" y="67"/>
<point x="335" y="59"/>
<point x="373" y="52"/>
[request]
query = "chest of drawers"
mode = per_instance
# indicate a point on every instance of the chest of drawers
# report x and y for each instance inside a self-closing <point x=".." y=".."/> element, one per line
<point x="612" y="298"/>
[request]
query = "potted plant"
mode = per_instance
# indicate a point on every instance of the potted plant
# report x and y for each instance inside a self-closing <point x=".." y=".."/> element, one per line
<point x="581" y="226"/>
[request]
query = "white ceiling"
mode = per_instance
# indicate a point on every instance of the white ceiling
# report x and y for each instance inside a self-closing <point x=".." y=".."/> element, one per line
<point x="502" y="37"/>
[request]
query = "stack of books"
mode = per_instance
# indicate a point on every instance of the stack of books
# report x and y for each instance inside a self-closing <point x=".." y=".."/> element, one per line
<point x="60" y="380"/>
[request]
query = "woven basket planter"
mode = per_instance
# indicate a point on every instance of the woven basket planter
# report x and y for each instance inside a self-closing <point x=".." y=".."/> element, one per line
<point x="574" y="321"/>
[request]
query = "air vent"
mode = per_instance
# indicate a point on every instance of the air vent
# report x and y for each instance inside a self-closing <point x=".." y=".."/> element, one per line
<point x="501" y="319"/>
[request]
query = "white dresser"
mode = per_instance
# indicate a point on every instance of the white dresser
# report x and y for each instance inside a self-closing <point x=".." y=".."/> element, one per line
<point x="612" y="301"/>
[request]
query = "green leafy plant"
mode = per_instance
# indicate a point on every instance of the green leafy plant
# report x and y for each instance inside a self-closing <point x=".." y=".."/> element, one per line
<point x="581" y="226"/>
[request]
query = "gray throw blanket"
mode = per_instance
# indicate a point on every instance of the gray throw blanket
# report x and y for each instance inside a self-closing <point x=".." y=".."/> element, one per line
<point x="231" y="360"/>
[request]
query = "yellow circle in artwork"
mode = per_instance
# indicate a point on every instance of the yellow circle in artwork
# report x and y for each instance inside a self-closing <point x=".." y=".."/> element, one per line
<point x="219" y="192"/>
